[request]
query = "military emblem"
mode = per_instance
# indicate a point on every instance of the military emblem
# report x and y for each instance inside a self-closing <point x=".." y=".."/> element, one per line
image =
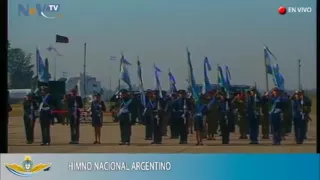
<point x="27" y="168"/>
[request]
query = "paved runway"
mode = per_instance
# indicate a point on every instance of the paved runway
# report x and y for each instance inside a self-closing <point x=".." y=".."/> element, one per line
<point x="111" y="136"/>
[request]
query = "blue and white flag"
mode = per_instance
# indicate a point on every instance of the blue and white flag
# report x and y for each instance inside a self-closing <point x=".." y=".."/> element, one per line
<point x="141" y="90"/>
<point x="43" y="74"/>
<point x="124" y="73"/>
<point x="172" y="81"/>
<point x="228" y="76"/>
<point x="157" y="71"/>
<point x="206" y="68"/>
<point x="53" y="49"/>
<point x="272" y="68"/>
<point x="191" y="80"/>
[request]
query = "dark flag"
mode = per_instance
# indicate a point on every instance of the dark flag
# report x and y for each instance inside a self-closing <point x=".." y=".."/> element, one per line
<point x="62" y="39"/>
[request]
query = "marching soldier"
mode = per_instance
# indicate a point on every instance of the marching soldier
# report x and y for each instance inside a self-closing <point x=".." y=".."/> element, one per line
<point x="306" y="109"/>
<point x="147" y="115"/>
<point x="223" y="108"/>
<point x="253" y="114"/>
<point x="265" y="122"/>
<point x="182" y="108"/>
<point x="211" y="116"/>
<point x="74" y="105"/>
<point x="97" y="109"/>
<point x="240" y="106"/>
<point x="30" y="106"/>
<point x="276" y="115"/>
<point x="298" y="118"/>
<point x="125" y="117"/>
<point x="45" y="108"/>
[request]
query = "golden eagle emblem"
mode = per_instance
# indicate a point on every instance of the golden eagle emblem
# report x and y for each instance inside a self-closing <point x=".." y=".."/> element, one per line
<point x="27" y="168"/>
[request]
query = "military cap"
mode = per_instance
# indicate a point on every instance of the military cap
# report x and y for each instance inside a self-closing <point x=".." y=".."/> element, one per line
<point x="181" y="91"/>
<point x="30" y="94"/>
<point x="124" y="91"/>
<point x="97" y="94"/>
<point x="276" y="89"/>
<point x="252" y="88"/>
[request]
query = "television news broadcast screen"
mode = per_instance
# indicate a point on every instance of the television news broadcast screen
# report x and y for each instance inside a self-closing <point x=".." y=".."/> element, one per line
<point x="124" y="89"/>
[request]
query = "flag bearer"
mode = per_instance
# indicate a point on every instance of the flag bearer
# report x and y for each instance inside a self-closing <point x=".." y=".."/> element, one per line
<point x="276" y="116"/>
<point x="74" y="105"/>
<point x="30" y="107"/>
<point x="125" y="117"/>
<point x="212" y="116"/>
<point x="307" y="103"/>
<point x="45" y="109"/>
<point x="174" y="117"/>
<point x="157" y="107"/>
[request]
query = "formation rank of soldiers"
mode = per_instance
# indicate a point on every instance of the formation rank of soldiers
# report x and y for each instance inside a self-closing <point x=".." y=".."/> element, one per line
<point x="215" y="114"/>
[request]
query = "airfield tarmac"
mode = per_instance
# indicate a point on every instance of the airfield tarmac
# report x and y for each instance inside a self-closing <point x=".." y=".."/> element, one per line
<point x="60" y="137"/>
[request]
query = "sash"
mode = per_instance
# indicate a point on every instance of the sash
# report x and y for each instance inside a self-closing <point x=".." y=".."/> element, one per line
<point x="125" y="107"/>
<point x="44" y="102"/>
<point x="153" y="105"/>
<point x="273" y="107"/>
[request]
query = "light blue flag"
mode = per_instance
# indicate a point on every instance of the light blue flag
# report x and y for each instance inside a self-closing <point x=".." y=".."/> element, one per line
<point x="43" y="74"/>
<point x="206" y="68"/>
<point x="191" y="80"/>
<point x="172" y="81"/>
<point x="124" y="73"/>
<point x="157" y="78"/>
<point x="142" y="95"/>
<point x="221" y="80"/>
<point x="271" y="65"/>
<point x="228" y="76"/>
<point x="279" y="77"/>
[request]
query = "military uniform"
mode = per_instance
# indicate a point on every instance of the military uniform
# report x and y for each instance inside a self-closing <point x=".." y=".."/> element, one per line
<point x="276" y="115"/>
<point x="30" y="107"/>
<point x="212" y="119"/>
<point x="298" y="119"/>
<point x="253" y="114"/>
<point x="182" y="109"/>
<point x="173" y="120"/>
<point x="265" y="122"/>
<point x="64" y="107"/>
<point x="223" y="108"/>
<point x="125" y="117"/>
<point x="147" y="116"/>
<point x="287" y="115"/>
<point x="74" y="105"/>
<point x="45" y="109"/>
<point x="306" y="109"/>
<point x="240" y="106"/>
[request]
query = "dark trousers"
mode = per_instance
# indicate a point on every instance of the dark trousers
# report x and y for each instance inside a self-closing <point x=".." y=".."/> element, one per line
<point x="299" y="129"/>
<point x="45" y="122"/>
<point x="231" y="121"/>
<point x="253" y="127"/>
<point x="125" y="128"/>
<point x="276" y="128"/>
<point x="29" y="128"/>
<point x="183" y="129"/>
<point x="174" y="127"/>
<point x="75" y="128"/>
<point x="224" y="128"/>
<point x="148" y="126"/>
<point x="157" y="130"/>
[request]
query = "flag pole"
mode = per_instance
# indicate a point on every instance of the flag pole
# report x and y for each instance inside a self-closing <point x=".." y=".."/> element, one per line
<point x="266" y="71"/>
<point x="84" y="72"/>
<point x="119" y="81"/>
<point x="299" y="75"/>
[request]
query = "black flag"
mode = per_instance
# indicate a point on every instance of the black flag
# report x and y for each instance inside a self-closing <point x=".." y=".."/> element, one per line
<point x="62" y="39"/>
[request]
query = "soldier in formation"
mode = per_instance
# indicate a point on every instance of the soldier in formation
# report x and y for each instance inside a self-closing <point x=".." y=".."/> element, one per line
<point x="97" y="109"/>
<point x="30" y="107"/>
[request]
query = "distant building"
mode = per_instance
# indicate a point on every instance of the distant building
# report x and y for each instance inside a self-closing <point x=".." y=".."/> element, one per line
<point x="84" y="89"/>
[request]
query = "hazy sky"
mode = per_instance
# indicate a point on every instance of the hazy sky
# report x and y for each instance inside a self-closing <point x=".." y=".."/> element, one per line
<point x="230" y="32"/>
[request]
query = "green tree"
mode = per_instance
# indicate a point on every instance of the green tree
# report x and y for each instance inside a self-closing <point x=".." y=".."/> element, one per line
<point x="19" y="68"/>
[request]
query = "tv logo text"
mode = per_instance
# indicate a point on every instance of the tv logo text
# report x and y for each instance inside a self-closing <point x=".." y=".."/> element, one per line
<point x="284" y="10"/>
<point x="40" y="10"/>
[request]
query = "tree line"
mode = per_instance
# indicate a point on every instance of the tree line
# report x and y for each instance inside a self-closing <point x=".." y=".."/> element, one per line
<point x="20" y="68"/>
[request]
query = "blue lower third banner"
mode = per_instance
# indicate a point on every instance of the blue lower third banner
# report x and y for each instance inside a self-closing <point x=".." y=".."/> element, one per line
<point x="160" y="166"/>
